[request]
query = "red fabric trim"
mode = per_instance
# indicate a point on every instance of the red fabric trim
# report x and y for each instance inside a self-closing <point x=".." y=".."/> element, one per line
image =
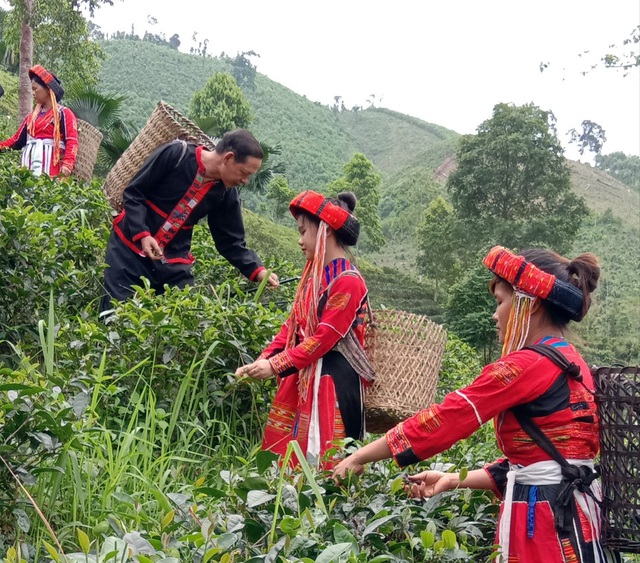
<point x="141" y="235"/>
<point x="199" y="150"/>
<point x="397" y="440"/>
<point x="156" y="209"/>
<point x="256" y="272"/>
<point x="124" y="239"/>
<point x="178" y="216"/>
<point x="164" y="215"/>
<point x="189" y="260"/>
<point x="281" y="362"/>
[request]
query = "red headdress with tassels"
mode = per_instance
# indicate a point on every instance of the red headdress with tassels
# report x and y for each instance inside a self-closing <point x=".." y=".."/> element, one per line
<point x="529" y="282"/>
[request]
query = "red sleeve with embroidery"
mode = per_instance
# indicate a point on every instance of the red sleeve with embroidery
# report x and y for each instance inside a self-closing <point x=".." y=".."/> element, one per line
<point x="19" y="139"/>
<point x="510" y="381"/>
<point x="277" y="344"/>
<point x="346" y="297"/>
<point x="70" y="139"/>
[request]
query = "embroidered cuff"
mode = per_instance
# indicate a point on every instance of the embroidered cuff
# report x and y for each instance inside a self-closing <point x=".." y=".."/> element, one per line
<point x="143" y="234"/>
<point x="281" y="364"/>
<point x="401" y="447"/>
<point x="255" y="272"/>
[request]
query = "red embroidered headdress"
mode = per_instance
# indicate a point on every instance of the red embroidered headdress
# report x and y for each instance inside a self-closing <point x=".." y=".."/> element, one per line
<point x="528" y="278"/>
<point x="339" y="219"/>
<point x="529" y="282"/>
<point x="49" y="80"/>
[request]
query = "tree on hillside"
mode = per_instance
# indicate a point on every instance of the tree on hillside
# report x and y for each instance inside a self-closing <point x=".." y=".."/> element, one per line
<point x="360" y="177"/>
<point x="470" y="308"/>
<point x="512" y="185"/>
<point x="437" y="243"/>
<point x="591" y="138"/>
<point x="58" y="34"/>
<point x="280" y="194"/>
<point x="242" y="69"/>
<point x="222" y="101"/>
<point x="624" y="167"/>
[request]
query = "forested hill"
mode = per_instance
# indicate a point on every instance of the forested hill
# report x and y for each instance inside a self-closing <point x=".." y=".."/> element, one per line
<point x="316" y="141"/>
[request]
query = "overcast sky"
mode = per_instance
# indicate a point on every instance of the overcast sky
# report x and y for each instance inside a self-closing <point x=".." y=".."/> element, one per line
<point x="447" y="62"/>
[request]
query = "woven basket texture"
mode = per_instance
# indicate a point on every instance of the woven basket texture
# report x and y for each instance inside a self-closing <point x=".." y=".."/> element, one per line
<point x="618" y="397"/>
<point x="406" y="351"/>
<point x="165" y="124"/>
<point x="89" y="139"/>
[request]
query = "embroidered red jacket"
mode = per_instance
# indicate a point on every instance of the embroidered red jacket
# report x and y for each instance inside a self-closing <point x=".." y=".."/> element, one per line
<point x="563" y="409"/>
<point x="343" y="311"/>
<point x="44" y="130"/>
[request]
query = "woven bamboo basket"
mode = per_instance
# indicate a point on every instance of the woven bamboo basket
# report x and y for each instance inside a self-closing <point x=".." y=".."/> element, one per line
<point x="406" y="351"/>
<point x="618" y="398"/>
<point x="89" y="139"/>
<point x="165" y="124"/>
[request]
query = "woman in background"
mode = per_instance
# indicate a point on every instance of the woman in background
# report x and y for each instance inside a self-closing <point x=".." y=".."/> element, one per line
<point x="48" y="136"/>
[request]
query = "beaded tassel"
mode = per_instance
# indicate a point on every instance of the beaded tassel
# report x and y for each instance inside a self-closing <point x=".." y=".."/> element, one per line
<point x="519" y="321"/>
<point x="306" y="304"/>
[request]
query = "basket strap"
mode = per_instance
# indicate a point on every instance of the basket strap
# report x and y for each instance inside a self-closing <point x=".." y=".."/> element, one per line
<point x="183" y="152"/>
<point x="574" y="477"/>
<point x="559" y="359"/>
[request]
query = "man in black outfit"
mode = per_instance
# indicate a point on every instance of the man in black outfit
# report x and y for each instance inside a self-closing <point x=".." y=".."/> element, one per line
<point x="178" y="185"/>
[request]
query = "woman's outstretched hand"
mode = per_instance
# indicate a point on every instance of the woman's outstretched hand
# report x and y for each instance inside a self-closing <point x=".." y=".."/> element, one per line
<point x="260" y="369"/>
<point x="341" y="470"/>
<point x="430" y="483"/>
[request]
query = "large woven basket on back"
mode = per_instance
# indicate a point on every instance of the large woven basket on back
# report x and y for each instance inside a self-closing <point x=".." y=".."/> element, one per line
<point x="165" y="124"/>
<point x="618" y="398"/>
<point x="406" y="351"/>
<point x="89" y="139"/>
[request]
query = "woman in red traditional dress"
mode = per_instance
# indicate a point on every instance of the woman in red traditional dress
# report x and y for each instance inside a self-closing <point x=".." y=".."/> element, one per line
<point x="320" y="396"/>
<point x="545" y="516"/>
<point x="48" y="136"/>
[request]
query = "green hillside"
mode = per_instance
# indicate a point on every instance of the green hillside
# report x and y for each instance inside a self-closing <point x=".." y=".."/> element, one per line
<point x="394" y="141"/>
<point x="602" y="192"/>
<point x="315" y="140"/>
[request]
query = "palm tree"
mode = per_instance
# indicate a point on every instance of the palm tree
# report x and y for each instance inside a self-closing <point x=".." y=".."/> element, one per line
<point x="261" y="179"/>
<point x="104" y="112"/>
<point x="101" y="110"/>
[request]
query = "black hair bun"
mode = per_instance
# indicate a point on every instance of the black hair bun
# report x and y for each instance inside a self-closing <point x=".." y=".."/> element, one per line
<point x="349" y="199"/>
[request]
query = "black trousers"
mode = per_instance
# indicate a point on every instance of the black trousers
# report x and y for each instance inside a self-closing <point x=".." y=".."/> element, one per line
<point x="125" y="268"/>
<point x="348" y="393"/>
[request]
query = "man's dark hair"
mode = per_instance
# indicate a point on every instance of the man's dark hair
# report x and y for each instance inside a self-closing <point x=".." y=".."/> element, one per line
<point x="241" y="143"/>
